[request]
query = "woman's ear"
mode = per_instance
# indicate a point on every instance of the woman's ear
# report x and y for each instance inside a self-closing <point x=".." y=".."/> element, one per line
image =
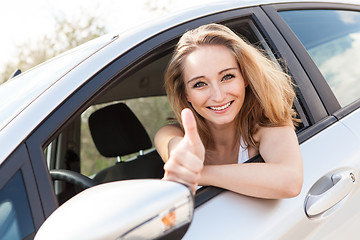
<point x="246" y="81"/>
<point x="187" y="98"/>
<point x="243" y="77"/>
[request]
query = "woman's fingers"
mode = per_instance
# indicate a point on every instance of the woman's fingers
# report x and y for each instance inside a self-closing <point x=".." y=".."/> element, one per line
<point x="183" y="157"/>
<point x="186" y="160"/>
<point x="190" y="127"/>
<point x="177" y="173"/>
<point x="191" y="135"/>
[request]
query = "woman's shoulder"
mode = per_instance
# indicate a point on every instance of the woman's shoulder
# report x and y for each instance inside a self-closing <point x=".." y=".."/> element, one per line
<point x="171" y="128"/>
<point x="276" y="132"/>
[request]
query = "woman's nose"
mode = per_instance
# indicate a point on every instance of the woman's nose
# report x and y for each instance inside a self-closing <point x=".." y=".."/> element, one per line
<point x="217" y="93"/>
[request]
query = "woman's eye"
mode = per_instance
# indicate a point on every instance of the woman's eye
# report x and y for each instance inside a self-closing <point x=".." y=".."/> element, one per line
<point x="199" y="84"/>
<point x="228" y="77"/>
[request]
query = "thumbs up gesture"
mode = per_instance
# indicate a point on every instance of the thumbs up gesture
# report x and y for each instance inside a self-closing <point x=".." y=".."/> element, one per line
<point x="186" y="159"/>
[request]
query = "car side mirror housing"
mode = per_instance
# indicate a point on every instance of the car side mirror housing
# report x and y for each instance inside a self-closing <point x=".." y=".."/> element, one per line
<point x="132" y="209"/>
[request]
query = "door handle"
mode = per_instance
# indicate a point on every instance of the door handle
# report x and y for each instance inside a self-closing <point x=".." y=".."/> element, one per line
<point x="336" y="185"/>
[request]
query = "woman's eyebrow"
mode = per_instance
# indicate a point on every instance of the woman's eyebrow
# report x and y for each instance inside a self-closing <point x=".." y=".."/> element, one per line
<point x="194" y="78"/>
<point x="227" y="69"/>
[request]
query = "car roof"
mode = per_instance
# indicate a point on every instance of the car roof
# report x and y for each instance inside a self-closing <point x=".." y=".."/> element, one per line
<point x="27" y="93"/>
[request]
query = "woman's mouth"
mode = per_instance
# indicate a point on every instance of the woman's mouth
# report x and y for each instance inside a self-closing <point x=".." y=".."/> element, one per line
<point x="220" y="108"/>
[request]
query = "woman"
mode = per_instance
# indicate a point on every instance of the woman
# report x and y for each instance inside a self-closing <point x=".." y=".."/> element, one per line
<point x="232" y="103"/>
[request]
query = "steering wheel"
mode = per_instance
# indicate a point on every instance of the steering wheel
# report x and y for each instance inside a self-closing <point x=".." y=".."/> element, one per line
<point x="72" y="177"/>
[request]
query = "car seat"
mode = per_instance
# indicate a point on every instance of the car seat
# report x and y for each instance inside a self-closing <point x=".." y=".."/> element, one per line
<point x="117" y="132"/>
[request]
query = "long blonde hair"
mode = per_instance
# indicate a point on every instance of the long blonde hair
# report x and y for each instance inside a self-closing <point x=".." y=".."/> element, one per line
<point x="269" y="95"/>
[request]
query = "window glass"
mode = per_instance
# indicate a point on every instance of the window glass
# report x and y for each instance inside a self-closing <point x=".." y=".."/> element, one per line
<point x="15" y="215"/>
<point x="332" y="39"/>
<point x="152" y="112"/>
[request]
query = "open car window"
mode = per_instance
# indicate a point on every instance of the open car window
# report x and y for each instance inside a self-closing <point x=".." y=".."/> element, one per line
<point x="111" y="141"/>
<point x="104" y="143"/>
<point x="152" y="112"/>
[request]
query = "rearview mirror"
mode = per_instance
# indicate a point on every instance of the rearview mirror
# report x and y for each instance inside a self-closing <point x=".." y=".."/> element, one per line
<point x="133" y="209"/>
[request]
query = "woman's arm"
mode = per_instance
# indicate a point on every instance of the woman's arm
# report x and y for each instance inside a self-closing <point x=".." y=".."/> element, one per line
<point x="281" y="175"/>
<point x="166" y="139"/>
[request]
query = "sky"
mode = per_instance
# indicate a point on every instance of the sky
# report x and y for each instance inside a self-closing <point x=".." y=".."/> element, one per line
<point x="27" y="20"/>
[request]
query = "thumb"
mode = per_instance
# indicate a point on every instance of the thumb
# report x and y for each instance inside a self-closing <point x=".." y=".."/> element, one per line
<point x="190" y="127"/>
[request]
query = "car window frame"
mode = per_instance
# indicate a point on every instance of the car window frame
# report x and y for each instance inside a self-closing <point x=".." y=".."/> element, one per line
<point x="19" y="161"/>
<point x="326" y="94"/>
<point x="102" y="80"/>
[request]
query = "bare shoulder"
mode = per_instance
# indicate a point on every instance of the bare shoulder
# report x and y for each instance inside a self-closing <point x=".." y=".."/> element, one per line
<point x="172" y="129"/>
<point x="280" y="133"/>
<point x="164" y="136"/>
<point x="277" y="143"/>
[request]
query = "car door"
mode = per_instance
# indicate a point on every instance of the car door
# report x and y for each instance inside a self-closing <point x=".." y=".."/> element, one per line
<point x="330" y="34"/>
<point x="222" y="214"/>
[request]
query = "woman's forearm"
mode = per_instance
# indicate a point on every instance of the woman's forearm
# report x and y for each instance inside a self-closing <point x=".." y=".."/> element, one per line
<point x="264" y="180"/>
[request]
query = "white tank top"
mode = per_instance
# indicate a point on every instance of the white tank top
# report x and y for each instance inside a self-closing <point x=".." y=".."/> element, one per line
<point x="243" y="153"/>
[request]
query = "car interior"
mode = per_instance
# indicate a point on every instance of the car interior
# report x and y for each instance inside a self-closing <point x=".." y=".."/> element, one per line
<point x="113" y="138"/>
<point x="117" y="132"/>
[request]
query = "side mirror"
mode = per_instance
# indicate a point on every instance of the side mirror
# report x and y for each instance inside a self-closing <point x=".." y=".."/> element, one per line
<point x="133" y="209"/>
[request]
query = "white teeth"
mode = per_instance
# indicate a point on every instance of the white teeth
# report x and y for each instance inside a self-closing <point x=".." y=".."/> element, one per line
<point x="221" y="108"/>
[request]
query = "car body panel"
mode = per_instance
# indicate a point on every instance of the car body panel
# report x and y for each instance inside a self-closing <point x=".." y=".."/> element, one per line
<point x="38" y="79"/>
<point x="242" y="217"/>
<point x="352" y="122"/>
<point x="43" y="101"/>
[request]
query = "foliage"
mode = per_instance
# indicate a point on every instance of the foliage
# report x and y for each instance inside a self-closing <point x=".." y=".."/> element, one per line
<point x="159" y="6"/>
<point x="67" y="35"/>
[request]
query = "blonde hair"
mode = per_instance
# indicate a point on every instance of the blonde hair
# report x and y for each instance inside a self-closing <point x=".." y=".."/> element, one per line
<point x="269" y="95"/>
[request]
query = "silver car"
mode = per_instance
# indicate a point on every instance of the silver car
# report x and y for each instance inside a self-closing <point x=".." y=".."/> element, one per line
<point x="76" y="153"/>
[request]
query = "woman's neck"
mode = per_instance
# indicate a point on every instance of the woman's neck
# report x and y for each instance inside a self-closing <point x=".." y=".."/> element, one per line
<point x="222" y="136"/>
<point x="224" y="144"/>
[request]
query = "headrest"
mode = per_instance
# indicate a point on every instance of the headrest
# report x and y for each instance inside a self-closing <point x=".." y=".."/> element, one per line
<point x="116" y="131"/>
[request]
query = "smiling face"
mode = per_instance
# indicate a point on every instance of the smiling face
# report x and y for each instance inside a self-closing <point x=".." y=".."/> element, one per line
<point x="214" y="84"/>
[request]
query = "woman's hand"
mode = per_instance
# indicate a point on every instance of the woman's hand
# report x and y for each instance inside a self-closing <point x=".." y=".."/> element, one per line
<point x="186" y="158"/>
